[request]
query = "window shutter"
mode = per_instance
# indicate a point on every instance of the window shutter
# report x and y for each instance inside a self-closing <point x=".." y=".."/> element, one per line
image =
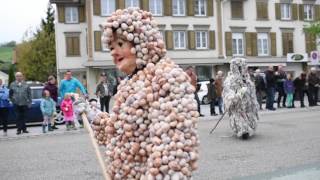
<point x="262" y="10"/>
<point x="190" y="7"/>
<point x="169" y="40"/>
<point x="228" y="37"/>
<point x="294" y="8"/>
<point x="254" y="44"/>
<point x="212" y="40"/>
<point x="69" y="45"/>
<point x="167" y="7"/>
<point x="97" y="7"/>
<point x="290" y="42"/>
<point x="236" y="9"/>
<point x="316" y="12"/>
<point x="76" y="46"/>
<point x="248" y="44"/>
<point x="273" y="44"/>
<point x="97" y="41"/>
<point x="284" y="44"/>
<point x="191" y="39"/>
<point x="209" y="7"/>
<point x="278" y="11"/>
<point x="82" y="14"/>
<point x="120" y="4"/>
<point x="301" y="12"/>
<point x="61" y="15"/>
<point x="144" y="5"/>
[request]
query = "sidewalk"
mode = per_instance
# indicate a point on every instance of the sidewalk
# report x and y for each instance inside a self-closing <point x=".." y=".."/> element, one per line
<point x="36" y="131"/>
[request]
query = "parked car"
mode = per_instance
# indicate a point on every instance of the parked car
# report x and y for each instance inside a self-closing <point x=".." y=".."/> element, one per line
<point x="202" y="93"/>
<point x="34" y="115"/>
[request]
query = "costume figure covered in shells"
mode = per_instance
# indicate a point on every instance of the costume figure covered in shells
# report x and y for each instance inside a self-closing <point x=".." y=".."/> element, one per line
<point x="152" y="131"/>
<point x="240" y="101"/>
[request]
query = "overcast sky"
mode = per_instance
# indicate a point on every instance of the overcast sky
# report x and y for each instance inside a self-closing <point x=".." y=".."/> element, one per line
<point x="17" y="16"/>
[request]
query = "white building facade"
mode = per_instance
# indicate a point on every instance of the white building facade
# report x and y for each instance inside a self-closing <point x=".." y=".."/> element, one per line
<point x="201" y="33"/>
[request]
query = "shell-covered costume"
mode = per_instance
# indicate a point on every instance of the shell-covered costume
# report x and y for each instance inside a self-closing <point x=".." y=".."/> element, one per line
<point x="152" y="132"/>
<point x="240" y="101"/>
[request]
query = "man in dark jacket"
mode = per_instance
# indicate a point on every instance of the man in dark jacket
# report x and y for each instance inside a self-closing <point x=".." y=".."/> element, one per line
<point x="271" y="84"/>
<point x="313" y="87"/>
<point x="281" y="77"/>
<point x="301" y="88"/>
<point x="20" y="96"/>
<point x="212" y="96"/>
<point x="104" y="92"/>
<point x="260" y="87"/>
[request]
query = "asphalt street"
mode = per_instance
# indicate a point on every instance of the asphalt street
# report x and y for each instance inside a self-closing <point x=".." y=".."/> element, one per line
<point x="286" y="146"/>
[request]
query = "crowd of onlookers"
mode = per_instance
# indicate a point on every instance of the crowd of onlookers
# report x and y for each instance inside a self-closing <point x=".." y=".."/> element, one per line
<point x="267" y="85"/>
<point x="19" y="94"/>
<point x="275" y="80"/>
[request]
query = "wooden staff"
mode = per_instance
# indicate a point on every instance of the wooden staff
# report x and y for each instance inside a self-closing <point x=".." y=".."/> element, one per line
<point x="95" y="146"/>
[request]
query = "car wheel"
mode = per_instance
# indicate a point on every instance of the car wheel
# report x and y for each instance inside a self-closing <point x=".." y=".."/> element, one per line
<point x="58" y="119"/>
<point x="205" y="100"/>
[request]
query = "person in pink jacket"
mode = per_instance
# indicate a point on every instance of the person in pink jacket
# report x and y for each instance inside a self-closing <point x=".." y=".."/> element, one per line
<point x="67" y="109"/>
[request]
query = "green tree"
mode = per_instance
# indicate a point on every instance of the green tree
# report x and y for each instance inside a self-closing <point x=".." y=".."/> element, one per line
<point x="37" y="56"/>
<point x="313" y="28"/>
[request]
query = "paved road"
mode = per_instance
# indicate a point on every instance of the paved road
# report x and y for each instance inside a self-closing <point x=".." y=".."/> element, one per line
<point x="287" y="142"/>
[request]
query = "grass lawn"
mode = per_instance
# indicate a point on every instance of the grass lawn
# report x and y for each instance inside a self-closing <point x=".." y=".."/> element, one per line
<point x="6" y="54"/>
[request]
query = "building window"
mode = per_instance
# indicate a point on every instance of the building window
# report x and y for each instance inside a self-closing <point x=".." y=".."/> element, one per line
<point x="132" y="3"/>
<point x="308" y="12"/>
<point x="179" y="39"/>
<point x="107" y="7"/>
<point x="73" y="45"/>
<point x="263" y="45"/>
<point x="237" y="9"/>
<point x="237" y="44"/>
<point x="72" y="15"/>
<point x="285" y="11"/>
<point x="179" y="7"/>
<point x="262" y="9"/>
<point x="155" y="7"/>
<point x="201" y="39"/>
<point x="200" y="7"/>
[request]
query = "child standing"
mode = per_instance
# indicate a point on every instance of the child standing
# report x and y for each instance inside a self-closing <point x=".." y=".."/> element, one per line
<point x="67" y="109"/>
<point x="48" y="108"/>
<point x="289" y="90"/>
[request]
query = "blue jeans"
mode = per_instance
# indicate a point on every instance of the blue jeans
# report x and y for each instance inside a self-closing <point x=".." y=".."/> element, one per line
<point x="270" y="97"/>
<point x="219" y="101"/>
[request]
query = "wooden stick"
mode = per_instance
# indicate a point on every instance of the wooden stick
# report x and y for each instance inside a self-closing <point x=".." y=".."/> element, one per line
<point x="95" y="146"/>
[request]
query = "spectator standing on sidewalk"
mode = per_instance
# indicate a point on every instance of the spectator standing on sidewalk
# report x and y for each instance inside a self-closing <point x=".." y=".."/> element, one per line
<point x="212" y="96"/>
<point x="51" y="86"/>
<point x="289" y="90"/>
<point x="300" y="84"/>
<point x="313" y="86"/>
<point x="70" y="84"/>
<point x="271" y="85"/>
<point x="193" y="76"/>
<point x="281" y="77"/>
<point x="260" y="86"/>
<point x="48" y="108"/>
<point x="20" y="96"/>
<point x="219" y="87"/>
<point x="4" y="106"/>
<point x="104" y="92"/>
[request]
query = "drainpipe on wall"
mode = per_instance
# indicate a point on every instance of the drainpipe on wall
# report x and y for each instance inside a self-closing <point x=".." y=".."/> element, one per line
<point x="219" y="29"/>
<point x="89" y="32"/>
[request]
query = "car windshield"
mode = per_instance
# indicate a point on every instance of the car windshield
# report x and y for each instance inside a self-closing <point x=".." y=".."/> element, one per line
<point x="36" y="93"/>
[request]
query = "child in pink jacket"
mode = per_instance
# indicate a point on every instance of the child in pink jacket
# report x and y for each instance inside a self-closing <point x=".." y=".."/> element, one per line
<point x="67" y="109"/>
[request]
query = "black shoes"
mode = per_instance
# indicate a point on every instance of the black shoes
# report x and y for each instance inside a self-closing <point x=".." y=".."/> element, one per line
<point x="54" y="127"/>
<point x="25" y="131"/>
<point x="18" y="132"/>
<point x="201" y="115"/>
<point x="245" y="136"/>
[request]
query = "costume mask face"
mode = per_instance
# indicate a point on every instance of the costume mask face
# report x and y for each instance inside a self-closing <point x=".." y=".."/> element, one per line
<point x="123" y="58"/>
